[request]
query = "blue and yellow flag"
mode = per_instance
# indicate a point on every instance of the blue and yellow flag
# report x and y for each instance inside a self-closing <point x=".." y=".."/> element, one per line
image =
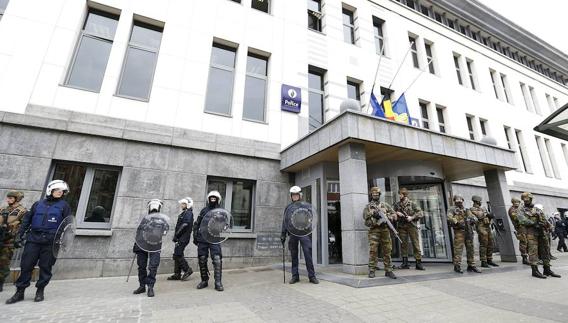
<point x="400" y="110"/>
<point x="377" y="109"/>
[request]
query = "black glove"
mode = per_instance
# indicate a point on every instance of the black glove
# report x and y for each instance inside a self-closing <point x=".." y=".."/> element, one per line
<point x="195" y="241"/>
<point x="377" y="215"/>
<point x="283" y="238"/>
<point x="175" y="239"/>
<point x="18" y="242"/>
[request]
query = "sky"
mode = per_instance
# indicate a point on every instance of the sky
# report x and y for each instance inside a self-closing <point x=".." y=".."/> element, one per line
<point x="544" y="18"/>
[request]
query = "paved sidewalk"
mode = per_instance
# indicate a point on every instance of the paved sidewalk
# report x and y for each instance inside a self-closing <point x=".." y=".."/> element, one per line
<point x="258" y="295"/>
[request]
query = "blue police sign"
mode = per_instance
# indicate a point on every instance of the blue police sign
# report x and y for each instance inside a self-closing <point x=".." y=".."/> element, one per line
<point x="291" y="98"/>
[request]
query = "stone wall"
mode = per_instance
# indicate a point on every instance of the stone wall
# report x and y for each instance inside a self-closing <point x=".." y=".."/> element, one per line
<point x="29" y="145"/>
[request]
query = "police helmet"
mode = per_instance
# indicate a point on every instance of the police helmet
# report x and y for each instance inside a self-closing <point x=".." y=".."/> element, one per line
<point x="215" y="194"/>
<point x="295" y="190"/>
<point x="188" y="201"/>
<point x="155" y="205"/>
<point x="55" y="185"/>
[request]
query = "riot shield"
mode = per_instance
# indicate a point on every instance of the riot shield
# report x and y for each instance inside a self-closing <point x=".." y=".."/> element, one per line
<point x="216" y="226"/>
<point x="152" y="228"/>
<point x="299" y="218"/>
<point x="64" y="237"/>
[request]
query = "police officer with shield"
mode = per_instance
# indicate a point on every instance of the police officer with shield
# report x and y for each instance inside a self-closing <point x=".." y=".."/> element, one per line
<point x="181" y="238"/>
<point x="40" y="225"/>
<point x="206" y="246"/>
<point x="148" y="245"/>
<point x="299" y="234"/>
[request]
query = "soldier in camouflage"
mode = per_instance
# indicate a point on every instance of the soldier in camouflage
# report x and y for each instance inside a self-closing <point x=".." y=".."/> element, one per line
<point x="484" y="234"/>
<point x="463" y="234"/>
<point x="375" y="214"/>
<point x="536" y="227"/>
<point x="519" y="229"/>
<point x="10" y="219"/>
<point x="409" y="215"/>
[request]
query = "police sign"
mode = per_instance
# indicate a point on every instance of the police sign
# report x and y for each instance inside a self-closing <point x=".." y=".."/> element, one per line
<point x="291" y="98"/>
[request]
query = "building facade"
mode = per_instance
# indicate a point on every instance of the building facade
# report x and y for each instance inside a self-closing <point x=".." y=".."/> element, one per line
<point x="129" y="101"/>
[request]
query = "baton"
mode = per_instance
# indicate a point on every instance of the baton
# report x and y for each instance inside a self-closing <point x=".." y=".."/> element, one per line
<point x="130" y="270"/>
<point x="284" y="262"/>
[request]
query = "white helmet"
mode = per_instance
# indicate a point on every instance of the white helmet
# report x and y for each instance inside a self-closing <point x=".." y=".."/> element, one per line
<point x="539" y="206"/>
<point x="216" y="194"/>
<point x="295" y="190"/>
<point x="57" y="184"/>
<point x="155" y="205"/>
<point x="188" y="201"/>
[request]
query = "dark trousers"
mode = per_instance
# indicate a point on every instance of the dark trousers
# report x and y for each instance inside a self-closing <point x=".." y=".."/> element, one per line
<point x="36" y="253"/>
<point x="179" y="257"/>
<point x="204" y="249"/>
<point x="306" y="243"/>
<point x="151" y="261"/>
<point x="561" y="243"/>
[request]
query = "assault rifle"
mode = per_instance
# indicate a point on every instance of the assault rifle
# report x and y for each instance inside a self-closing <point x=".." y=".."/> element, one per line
<point x="383" y="218"/>
<point x="398" y="208"/>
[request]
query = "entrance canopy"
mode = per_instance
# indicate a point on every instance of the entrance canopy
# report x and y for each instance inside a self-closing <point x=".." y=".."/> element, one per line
<point x="386" y="140"/>
<point x="556" y="124"/>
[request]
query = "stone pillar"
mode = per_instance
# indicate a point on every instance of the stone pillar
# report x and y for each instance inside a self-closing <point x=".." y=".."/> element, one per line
<point x="354" y="197"/>
<point x="500" y="199"/>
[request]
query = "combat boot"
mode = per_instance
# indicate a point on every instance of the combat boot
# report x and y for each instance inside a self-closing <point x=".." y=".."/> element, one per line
<point x="457" y="269"/>
<point x="175" y="277"/>
<point x="390" y="274"/>
<point x="548" y="272"/>
<point x="217" y="272"/>
<point x="39" y="295"/>
<point x="139" y="290"/>
<point x="150" y="291"/>
<point x="186" y="274"/>
<point x="314" y="280"/>
<point x="419" y="265"/>
<point x="491" y="263"/>
<point x="18" y="296"/>
<point x="473" y="269"/>
<point x="484" y="264"/>
<point x="204" y="273"/>
<point x="525" y="260"/>
<point x="177" y="270"/>
<point x="553" y="258"/>
<point x="371" y="273"/>
<point x="536" y="273"/>
<point x="404" y="264"/>
<point x="294" y="280"/>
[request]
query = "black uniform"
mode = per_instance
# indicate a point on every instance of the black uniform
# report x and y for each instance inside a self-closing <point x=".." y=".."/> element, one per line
<point x="560" y="231"/>
<point x="42" y="221"/>
<point x="293" y="242"/>
<point x="204" y="249"/>
<point x="147" y="262"/>
<point x="182" y="235"/>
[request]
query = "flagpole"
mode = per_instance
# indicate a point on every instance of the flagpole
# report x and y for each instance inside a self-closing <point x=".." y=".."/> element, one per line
<point x="416" y="78"/>
<point x="399" y="67"/>
<point x="376" y="74"/>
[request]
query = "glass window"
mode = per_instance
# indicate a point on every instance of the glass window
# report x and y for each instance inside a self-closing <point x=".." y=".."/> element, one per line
<point x="379" y="38"/>
<point x="506" y="91"/>
<point x="348" y="26"/>
<point x="441" y="121"/>
<point x="458" y="71"/>
<point x="353" y="91"/>
<point x="494" y="81"/>
<point x="255" y="88"/>
<point x="3" y="5"/>
<point x="92" y="52"/>
<point x="451" y="24"/>
<point x="262" y="5"/>
<point x="469" y="64"/>
<point x="551" y="159"/>
<point x="509" y="144"/>
<point x="315" y="97"/>
<point x="412" y="41"/>
<point x="430" y="58"/>
<point x="411" y="4"/>
<point x="543" y="156"/>
<point x="425" y="10"/>
<point x="238" y="196"/>
<point x="534" y="100"/>
<point x="140" y="62"/>
<point x="483" y="126"/>
<point x="219" y="95"/>
<point x="424" y="113"/>
<point x="91" y="194"/>
<point x="438" y="17"/>
<point x="522" y="153"/>
<point x="470" y="127"/>
<point x="314" y="15"/>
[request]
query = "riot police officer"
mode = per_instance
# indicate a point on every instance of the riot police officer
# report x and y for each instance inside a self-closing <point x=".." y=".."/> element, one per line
<point x="463" y="234"/>
<point x="305" y="242"/>
<point x="10" y="218"/>
<point x="181" y="238"/>
<point x="148" y="262"/>
<point x="42" y="222"/>
<point x="484" y="234"/>
<point x="205" y="248"/>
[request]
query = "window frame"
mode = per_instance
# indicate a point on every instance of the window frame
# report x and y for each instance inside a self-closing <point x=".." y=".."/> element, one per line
<point x="441" y="112"/>
<point x="351" y="14"/>
<point x="86" y="192"/>
<point x="429" y="47"/>
<point x="228" y="198"/>
<point x="471" y="130"/>
<point x="470" y="71"/>
<point x="414" y="50"/>
<point x="317" y="15"/>
<point x="458" y="68"/>
<point x="357" y="84"/>
<point x="378" y="24"/>
<point x="143" y="48"/>
<point x="322" y="74"/>
<point x="424" y="114"/>
<point x="258" y="76"/>
<point x="222" y="45"/>
<point x="268" y="9"/>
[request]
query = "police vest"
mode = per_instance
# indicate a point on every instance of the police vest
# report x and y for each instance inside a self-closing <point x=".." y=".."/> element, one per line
<point x="47" y="217"/>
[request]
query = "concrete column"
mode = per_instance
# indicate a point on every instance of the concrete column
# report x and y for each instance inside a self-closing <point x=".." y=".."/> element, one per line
<point x="500" y="199"/>
<point x="354" y="197"/>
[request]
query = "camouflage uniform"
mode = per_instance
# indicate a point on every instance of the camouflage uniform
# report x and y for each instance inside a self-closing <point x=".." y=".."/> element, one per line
<point x="536" y="228"/>
<point x="484" y="234"/>
<point x="458" y="220"/>
<point x="408" y="229"/>
<point x="10" y="219"/>
<point x="519" y="231"/>
<point x="378" y="235"/>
